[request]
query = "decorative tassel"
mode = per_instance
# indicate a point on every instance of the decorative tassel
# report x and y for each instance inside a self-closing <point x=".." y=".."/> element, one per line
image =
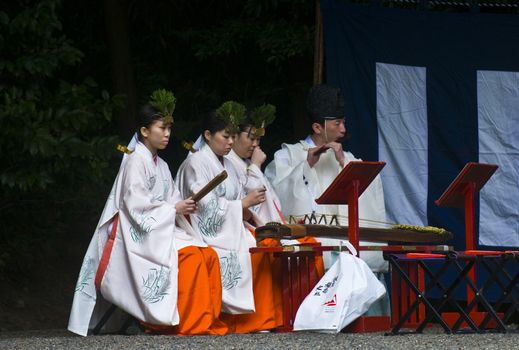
<point x="124" y="149"/>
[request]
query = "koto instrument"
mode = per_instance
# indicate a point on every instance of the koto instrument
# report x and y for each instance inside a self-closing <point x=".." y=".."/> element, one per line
<point x="211" y="185"/>
<point x="384" y="235"/>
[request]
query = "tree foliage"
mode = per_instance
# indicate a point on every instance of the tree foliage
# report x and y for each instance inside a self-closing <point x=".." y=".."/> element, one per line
<point x="253" y="51"/>
<point x="53" y="129"/>
<point x="56" y="138"/>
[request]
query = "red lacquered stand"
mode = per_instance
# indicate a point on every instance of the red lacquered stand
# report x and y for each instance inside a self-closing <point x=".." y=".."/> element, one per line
<point x="297" y="278"/>
<point x="462" y="193"/>
<point x="346" y="189"/>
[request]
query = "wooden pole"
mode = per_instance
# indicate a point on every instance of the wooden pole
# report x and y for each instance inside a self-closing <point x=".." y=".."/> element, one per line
<point x="318" y="45"/>
<point x="121" y="64"/>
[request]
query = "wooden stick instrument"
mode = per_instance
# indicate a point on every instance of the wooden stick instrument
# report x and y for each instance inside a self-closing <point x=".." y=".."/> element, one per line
<point x="211" y="185"/>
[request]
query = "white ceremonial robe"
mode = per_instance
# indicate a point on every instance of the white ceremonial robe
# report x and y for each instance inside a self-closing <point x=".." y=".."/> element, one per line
<point x="298" y="185"/>
<point x="252" y="178"/>
<point x="142" y="265"/>
<point x="219" y="222"/>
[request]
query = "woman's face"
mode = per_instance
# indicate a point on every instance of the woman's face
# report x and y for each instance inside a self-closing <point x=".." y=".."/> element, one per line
<point x="245" y="142"/>
<point x="156" y="136"/>
<point x="220" y="142"/>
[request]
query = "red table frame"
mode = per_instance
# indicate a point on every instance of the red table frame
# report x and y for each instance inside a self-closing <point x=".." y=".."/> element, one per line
<point x="347" y="187"/>
<point x="299" y="276"/>
<point x="463" y="193"/>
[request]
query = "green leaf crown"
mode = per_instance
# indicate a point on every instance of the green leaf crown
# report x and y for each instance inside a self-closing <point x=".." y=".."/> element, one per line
<point x="164" y="102"/>
<point x="262" y="116"/>
<point x="232" y="113"/>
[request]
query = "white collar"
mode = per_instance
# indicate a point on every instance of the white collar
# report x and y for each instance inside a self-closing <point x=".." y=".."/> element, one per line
<point x="235" y="158"/>
<point x="208" y="152"/>
<point x="309" y="141"/>
<point x="140" y="148"/>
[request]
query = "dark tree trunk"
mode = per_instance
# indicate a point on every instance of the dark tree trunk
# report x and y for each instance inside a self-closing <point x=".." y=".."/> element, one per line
<point x="318" y="45"/>
<point x="300" y="123"/>
<point x="300" y="71"/>
<point x="122" y="71"/>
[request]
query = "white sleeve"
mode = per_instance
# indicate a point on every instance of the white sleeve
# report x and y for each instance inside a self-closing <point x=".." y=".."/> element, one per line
<point x="137" y="198"/>
<point x="294" y="182"/>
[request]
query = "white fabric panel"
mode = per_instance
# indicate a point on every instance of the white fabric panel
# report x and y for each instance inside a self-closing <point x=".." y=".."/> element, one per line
<point x="402" y="141"/>
<point x="498" y="124"/>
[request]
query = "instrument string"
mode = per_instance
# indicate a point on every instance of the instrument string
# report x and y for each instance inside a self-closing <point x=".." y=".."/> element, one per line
<point x="330" y="219"/>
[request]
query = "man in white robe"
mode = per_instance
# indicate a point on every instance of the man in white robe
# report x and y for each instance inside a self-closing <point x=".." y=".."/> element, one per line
<point x="301" y="172"/>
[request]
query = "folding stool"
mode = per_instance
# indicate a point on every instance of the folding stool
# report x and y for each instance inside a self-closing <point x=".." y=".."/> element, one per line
<point x="130" y="326"/>
<point x="507" y="283"/>
<point x="462" y="264"/>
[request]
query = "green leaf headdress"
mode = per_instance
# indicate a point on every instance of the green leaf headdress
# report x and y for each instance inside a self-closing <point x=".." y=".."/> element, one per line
<point x="262" y="116"/>
<point x="232" y="113"/>
<point x="164" y="102"/>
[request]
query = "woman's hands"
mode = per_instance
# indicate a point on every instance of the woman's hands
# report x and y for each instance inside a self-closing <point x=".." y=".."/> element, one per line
<point x="186" y="206"/>
<point x="258" y="157"/>
<point x="254" y="197"/>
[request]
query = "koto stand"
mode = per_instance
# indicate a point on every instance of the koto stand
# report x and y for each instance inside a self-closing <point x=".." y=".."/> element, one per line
<point x="462" y="193"/>
<point x="346" y="189"/>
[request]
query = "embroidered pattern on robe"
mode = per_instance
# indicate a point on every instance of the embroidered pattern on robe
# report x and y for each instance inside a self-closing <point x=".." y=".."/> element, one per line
<point x="86" y="274"/>
<point x="230" y="271"/>
<point x="141" y="229"/>
<point x="211" y="218"/>
<point x="156" y="285"/>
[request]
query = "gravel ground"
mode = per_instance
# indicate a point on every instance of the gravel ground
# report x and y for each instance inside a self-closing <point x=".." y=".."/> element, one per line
<point x="60" y="339"/>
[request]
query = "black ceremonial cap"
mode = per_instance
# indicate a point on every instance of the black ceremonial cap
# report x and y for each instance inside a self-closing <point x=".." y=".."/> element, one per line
<point x="324" y="102"/>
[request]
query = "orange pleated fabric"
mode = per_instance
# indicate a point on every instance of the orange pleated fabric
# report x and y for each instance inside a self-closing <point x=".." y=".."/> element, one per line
<point x="277" y="286"/>
<point x="264" y="318"/>
<point x="267" y="295"/>
<point x="199" y="294"/>
<point x="268" y="292"/>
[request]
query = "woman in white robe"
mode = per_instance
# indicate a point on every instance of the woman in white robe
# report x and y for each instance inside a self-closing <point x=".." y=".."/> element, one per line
<point x="247" y="158"/>
<point x="132" y="259"/>
<point x="252" y="178"/>
<point x="221" y="214"/>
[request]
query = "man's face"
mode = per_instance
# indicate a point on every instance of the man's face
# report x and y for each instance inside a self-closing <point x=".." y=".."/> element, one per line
<point x="245" y="142"/>
<point x="335" y="130"/>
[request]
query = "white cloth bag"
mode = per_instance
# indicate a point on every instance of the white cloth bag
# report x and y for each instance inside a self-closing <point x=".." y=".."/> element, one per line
<point x="345" y="292"/>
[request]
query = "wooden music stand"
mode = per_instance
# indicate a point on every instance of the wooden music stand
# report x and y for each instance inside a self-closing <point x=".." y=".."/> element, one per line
<point x="462" y="193"/>
<point x="347" y="187"/>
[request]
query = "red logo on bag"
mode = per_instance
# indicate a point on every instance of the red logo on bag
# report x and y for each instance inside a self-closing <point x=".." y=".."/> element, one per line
<point x="332" y="301"/>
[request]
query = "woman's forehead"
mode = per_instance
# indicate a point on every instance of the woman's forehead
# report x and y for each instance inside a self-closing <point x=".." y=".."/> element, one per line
<point x="160" y="122"/>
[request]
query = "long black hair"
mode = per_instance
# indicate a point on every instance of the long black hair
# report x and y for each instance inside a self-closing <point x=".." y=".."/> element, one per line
<point x="213" y="124"/>
<point x="147" y="116"/>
